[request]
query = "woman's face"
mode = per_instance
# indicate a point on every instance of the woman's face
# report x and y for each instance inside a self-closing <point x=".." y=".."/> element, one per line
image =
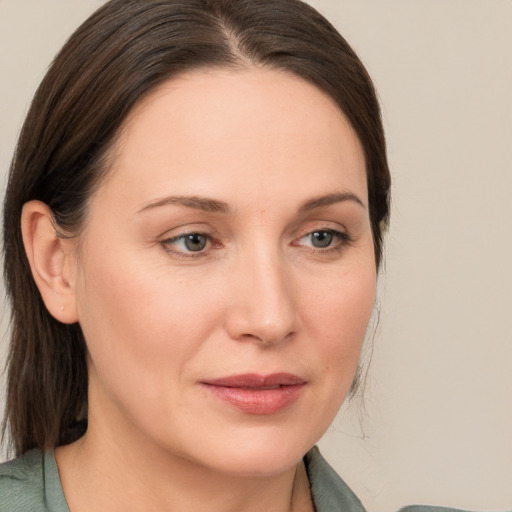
<point x="226" y="275"/>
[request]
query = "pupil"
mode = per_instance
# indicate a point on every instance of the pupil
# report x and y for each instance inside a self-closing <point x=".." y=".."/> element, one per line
<point x="322" y="239"/>
<point x="195" y="242"/>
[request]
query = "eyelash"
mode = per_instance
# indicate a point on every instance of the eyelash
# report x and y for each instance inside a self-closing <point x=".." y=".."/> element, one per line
<point x="168" y="243"/>
<point x="340" y="240"/>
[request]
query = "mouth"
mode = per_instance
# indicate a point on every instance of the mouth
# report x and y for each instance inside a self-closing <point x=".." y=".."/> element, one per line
<point x="257" y="394"/>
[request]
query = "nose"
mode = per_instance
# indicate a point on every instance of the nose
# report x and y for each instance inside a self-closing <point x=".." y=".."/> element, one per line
<point x="263" y="307"/>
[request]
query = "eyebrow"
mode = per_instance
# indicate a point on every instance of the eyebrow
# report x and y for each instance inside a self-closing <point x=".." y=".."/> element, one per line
<point x="329" y="199"/>
<point x="215" y="206"/>
<point x="196" y="202"/>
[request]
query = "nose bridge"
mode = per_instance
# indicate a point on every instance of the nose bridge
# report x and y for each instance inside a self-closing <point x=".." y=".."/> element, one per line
<point x="264" y="308"/>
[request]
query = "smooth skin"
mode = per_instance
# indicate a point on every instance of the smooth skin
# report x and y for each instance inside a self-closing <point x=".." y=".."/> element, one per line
<point x="230" y="236"/>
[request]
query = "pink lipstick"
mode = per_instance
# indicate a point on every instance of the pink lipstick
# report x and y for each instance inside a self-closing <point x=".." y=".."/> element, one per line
<point x="257" y="394"/>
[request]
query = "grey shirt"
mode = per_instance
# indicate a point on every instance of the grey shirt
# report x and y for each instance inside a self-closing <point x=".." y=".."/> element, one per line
<point x="31" y="483"/>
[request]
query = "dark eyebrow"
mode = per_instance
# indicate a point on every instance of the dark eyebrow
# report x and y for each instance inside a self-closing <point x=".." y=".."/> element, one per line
<point x="198" y="203"/>
<point x="327" y="200"/>
<point x="215" y="206"/>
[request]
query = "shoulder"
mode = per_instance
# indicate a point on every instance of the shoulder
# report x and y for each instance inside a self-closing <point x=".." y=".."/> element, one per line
<point x="426" y="508"/>
<point x="22" y="483"/>
<point x="330" y="493"/>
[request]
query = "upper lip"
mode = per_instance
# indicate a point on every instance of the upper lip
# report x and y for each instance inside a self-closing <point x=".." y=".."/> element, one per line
<point x="256" y="381"/>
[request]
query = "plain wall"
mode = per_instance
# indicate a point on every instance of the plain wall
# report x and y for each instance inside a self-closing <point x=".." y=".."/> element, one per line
<point x="437" y="412"/>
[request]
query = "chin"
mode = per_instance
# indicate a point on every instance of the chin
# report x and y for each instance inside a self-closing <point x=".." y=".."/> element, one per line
<point x="260" y="463"/>
<point x="257" y="452"/>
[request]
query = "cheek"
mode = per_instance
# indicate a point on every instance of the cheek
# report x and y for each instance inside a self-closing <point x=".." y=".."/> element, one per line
<point x="142" y="334"/>
<point x="136" y="315"/>
<point x="334" y="331"/>
<point x="339" y="315"/>
<point x="344" y="303"/>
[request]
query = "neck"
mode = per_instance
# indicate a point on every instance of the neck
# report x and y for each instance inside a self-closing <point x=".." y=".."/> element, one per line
<point x="99" y="473"/>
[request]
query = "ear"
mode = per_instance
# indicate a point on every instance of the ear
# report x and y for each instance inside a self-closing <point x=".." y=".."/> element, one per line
<point x="52" y="261"/>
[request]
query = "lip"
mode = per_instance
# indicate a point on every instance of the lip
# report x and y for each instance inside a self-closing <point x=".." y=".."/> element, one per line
<point x="257" y="394"/>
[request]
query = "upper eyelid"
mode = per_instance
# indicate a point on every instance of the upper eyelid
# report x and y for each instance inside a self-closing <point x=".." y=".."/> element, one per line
<point x="212" y="235"/>
<point x="297" y="233"/>
<point x="333" y="227"/>
<point x="343" y="234"/>
<point x="182" y="236"/>
<point x="188" y="233"/>
<point x="178" y="232"/>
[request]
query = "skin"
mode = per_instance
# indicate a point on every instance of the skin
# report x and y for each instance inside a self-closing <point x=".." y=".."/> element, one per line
<point x="261" y="297"/>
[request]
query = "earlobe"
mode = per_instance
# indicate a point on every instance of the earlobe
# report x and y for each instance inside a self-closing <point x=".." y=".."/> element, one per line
<point x="52" y="261"/>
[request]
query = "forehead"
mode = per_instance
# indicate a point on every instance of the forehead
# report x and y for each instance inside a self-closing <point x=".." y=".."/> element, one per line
<point x="250" y="127"/>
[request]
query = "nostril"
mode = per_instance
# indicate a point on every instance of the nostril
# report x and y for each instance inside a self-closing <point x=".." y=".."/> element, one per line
<point x="268" y="337"/>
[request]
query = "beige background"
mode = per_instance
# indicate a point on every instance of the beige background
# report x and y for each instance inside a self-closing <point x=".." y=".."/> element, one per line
<point x="438" y="415"/>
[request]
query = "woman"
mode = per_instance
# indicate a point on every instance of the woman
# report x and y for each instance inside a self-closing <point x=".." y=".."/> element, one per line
<point x="202" y="190"/>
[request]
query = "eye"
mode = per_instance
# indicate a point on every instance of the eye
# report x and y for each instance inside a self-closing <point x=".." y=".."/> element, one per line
<point x="187" y="243"/>
<point x="324" y="239"/>
<point x="321" y="239"/>
<point x="194" y="242"/>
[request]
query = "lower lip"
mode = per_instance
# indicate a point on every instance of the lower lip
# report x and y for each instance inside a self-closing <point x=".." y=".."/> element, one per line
<point x="258" y="401"/>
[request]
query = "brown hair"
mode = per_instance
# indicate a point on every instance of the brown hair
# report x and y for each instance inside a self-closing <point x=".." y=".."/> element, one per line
<point x="120" y="54"/>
